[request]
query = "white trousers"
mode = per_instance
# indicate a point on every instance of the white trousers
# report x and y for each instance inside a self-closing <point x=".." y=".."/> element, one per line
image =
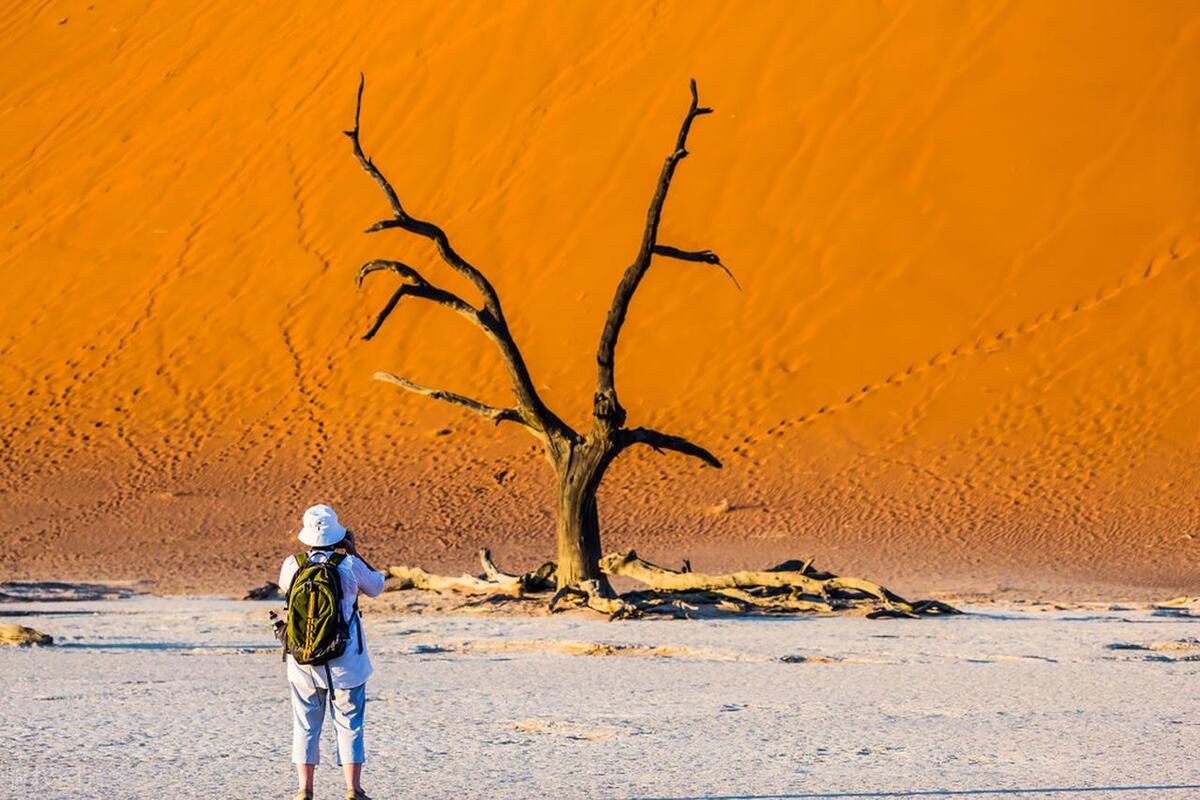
<point x="308" y="714"/>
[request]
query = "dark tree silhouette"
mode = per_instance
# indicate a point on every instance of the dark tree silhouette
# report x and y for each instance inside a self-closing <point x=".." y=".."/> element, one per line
<point x="579" y="460"/>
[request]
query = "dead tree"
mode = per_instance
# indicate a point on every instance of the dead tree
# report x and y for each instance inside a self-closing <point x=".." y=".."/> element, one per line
<point x="579" y="460"/>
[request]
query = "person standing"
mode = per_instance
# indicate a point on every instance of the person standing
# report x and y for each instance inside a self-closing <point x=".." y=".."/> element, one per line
<point x="327" y="661"/>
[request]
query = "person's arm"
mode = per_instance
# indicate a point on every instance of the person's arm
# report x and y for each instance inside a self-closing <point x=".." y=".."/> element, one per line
<point x="370" y="580"/>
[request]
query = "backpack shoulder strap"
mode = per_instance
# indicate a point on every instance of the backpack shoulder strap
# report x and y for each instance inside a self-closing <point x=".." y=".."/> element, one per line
<point x="301" y="562"/>
<point x="337" y="558"/>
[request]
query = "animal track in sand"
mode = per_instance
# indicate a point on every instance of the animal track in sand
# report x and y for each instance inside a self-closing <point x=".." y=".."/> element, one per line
<point x="1184" y="248"/>
<point x="308" y="387"/>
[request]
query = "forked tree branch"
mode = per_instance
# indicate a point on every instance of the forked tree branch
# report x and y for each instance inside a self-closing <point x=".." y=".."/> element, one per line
<point x="497" y="415"/>
<point x="664" y="441"/>
<point x="607" y="410"/>
<point x="530" y="408"/>
<point x="383" y="264"/>
<point x="419" y="288"/>
<point x="424" y="292"/>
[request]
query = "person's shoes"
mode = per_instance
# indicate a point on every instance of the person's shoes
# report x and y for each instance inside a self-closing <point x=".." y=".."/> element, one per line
<point x="356" y="795"/>
<point x="303" y="794"/>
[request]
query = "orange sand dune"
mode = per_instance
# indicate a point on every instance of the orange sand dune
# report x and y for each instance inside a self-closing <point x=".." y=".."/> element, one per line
<point x="967" y="352"/>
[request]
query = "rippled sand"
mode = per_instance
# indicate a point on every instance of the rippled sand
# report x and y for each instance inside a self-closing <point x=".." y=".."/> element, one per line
<point x="966" y="347"/>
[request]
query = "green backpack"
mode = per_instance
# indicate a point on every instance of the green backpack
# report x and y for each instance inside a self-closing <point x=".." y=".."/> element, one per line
<point x="315" y="630"/>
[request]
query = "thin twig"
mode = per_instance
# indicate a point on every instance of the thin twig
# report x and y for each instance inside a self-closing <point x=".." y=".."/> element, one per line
<point x="493" y="413"/>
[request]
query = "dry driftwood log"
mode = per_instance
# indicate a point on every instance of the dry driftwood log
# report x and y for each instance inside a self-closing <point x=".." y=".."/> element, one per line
<point x="790" y="588"/>
<point x="629" y="565"/>
<point x="492" y="581"/>
<point x="782" y="588"/>
<point x="268" y="591"/>
<point x="20" y="636"/>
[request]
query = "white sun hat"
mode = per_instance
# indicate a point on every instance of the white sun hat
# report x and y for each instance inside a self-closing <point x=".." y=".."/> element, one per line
<point x="321" y="527"/>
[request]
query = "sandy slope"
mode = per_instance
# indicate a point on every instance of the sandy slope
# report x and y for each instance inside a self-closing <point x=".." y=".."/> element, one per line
<point x="1012" y="701"/>
<point x="967" y="351"/>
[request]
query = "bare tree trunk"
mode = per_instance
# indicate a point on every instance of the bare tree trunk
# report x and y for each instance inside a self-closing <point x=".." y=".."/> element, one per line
<point x="578" y="533"/>
<point x="577" y="521"/>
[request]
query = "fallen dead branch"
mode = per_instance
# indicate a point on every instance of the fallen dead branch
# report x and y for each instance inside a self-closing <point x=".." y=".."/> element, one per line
<point x="20" y="636"/>
<point x="791" y="588"/>
<point x="268" y="591"/>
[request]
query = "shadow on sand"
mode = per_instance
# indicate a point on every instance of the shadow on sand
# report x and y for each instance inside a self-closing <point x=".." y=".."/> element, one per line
<point x="61" y="592"/>
<point x="184" y="646"/>
<point x="1042" y="790"/>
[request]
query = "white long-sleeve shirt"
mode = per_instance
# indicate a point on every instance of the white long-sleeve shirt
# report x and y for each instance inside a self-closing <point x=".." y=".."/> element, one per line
<point x="353" y="667"/>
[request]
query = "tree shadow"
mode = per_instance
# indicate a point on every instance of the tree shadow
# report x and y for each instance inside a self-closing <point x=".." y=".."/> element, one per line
<point x="60" y="592"/>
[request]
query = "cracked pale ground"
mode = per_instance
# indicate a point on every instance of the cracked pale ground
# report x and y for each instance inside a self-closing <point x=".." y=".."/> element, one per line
<point x="185" y="698"/>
